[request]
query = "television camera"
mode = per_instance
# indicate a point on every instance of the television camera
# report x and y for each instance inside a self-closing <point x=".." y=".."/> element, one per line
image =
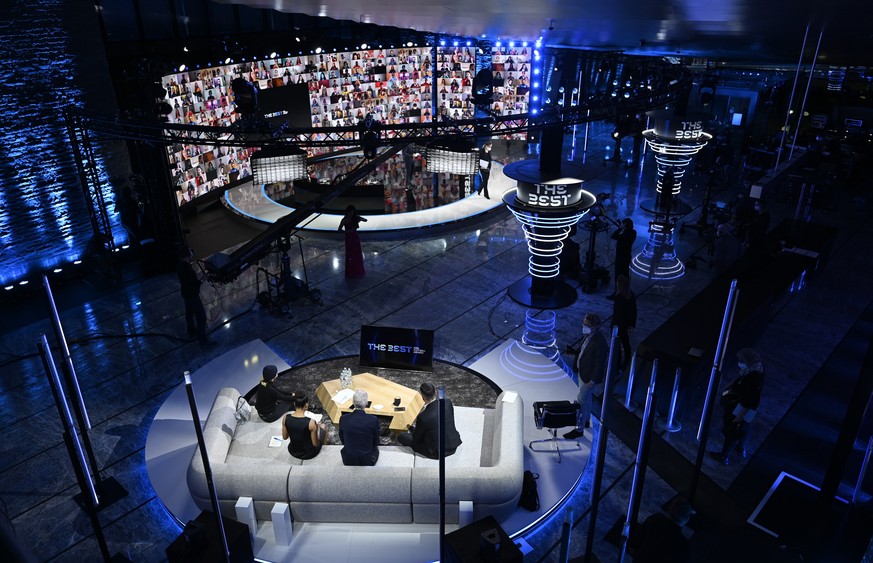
<point x="283" y="287"/>
<point x="594" y="222"/>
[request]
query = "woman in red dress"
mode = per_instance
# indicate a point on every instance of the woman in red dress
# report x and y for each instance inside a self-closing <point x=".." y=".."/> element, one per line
<point x="354" y="256"/>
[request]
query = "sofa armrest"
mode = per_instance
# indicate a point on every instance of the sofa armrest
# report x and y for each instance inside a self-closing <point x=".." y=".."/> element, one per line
<point x="218" y="433"/>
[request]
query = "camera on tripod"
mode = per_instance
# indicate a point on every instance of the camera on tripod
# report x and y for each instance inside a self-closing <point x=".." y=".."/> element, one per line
<point x="598" y="210"/>
<point x="284" y="287"/>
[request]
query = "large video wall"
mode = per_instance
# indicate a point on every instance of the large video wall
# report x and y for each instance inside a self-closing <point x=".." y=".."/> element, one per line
<point x="391" y="84"/>
<point x="394" y="85"/>
<point x="456" y="67"/>
<point x="511" y="70"/>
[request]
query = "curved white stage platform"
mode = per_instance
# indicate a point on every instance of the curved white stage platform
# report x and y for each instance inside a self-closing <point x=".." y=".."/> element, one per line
<point x="251" y="202"/>
<point x="171" y="443"/>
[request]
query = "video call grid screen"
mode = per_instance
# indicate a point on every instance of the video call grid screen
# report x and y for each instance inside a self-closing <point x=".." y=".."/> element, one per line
<point x="395" y="85"/>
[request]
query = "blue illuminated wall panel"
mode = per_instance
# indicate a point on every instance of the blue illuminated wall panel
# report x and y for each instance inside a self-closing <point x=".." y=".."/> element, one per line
<point x="51" y="55"/>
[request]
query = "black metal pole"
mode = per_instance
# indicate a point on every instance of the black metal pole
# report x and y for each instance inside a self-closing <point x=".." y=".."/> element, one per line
<point x="69" y="372"/>
<point x="853" y="420"/>
<point x="213" y="497"/>
<point x="636" y="492"/>
<point x="600" y="449"/>
<point x="74" y="447"/>
<point x="791" y="98"/>
<point x="441" y="394"/>
<point x="805" y="94"/>
<point x="712" y="389"/>
<point x="566" y="529"/>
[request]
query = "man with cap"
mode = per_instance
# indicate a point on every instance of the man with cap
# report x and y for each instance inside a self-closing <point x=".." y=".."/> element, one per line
<point x="359" y="433"/>
<point x="271" y="403"/>
<point x="590" y="365"/>
<point x="424" y="434"/>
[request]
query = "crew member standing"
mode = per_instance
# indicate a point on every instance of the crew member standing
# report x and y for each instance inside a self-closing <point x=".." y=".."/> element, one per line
<point x="624" y="238"/>
<point x="484" y="168"/>
<point x="195" y="314"/>
<point x="740" y="401"/>
<point x="590" y="364"/>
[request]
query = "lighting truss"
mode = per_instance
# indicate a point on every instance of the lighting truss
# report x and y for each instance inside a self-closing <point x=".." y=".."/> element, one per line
<point x="588" y="110"/>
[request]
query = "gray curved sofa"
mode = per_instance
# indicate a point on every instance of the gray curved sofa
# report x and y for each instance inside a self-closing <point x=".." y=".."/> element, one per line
<point x="402" y="487"/>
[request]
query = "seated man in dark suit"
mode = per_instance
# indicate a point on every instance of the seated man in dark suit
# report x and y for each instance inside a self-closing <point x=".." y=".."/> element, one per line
<point x="424" y="435"/>
<point x="359" y="433"/>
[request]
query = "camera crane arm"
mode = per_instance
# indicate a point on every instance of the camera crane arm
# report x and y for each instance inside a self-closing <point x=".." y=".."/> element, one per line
<point x="222" y="268"/>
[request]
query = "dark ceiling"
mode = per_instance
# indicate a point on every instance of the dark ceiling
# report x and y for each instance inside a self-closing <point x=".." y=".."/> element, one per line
<point x="743" y="31"/>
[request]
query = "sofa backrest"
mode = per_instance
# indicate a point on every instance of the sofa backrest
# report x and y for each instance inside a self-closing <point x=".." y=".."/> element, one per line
<point x="221" y="424"/>
<point x="217" y="434"/>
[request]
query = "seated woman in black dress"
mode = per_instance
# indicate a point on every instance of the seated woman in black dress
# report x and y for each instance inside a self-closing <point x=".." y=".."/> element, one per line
<point x="305" y="434"/>
<point x="269" y="401"/>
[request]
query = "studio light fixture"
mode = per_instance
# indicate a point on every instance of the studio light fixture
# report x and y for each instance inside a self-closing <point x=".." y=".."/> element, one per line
<point x="459" y="157"/>
<point x="278" y="164"/>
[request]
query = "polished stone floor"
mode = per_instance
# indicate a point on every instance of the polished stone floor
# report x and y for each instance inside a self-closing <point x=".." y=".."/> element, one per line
<point x="130" y="350"/>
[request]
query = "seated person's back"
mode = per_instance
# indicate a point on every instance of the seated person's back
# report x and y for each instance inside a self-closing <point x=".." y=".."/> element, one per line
<point x="424" y="437"/>
<point x="305" y="435"/>
<point x="359" y="433"/>
<point x="271" y="403"/>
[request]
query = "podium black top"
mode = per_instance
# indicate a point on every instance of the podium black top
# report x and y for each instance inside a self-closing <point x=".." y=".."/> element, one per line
<point x="529" y="171"/>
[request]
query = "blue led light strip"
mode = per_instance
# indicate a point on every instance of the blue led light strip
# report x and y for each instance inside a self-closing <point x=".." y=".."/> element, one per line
<point x="544" y="240"/>
<point x="675" y="154"/>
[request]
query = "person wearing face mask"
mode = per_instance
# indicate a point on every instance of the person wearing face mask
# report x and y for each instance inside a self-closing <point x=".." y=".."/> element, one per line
<point x="758" y="227"/>
<point x="624" y="237"/>
<point x="740" y="401"/>
<point x="590" y="366"/>
<point x="727" y="249"/>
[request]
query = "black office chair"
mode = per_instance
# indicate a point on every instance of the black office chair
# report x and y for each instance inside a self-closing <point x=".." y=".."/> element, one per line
<point x="553" y="415"/>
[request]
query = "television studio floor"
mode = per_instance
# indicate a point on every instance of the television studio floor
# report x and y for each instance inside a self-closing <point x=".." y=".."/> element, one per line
<point x="130" y="349"/>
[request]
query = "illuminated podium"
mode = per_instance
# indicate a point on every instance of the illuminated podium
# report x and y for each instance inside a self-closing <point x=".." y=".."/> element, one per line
<point x="547" y="204"/>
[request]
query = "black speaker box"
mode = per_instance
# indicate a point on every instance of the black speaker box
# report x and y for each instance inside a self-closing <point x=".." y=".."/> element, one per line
<point x="200" y="541"/>
<point x="483" y="541"/>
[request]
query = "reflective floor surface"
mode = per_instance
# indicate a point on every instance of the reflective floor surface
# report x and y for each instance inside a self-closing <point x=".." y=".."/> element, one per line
<point x="130" y="349"/>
